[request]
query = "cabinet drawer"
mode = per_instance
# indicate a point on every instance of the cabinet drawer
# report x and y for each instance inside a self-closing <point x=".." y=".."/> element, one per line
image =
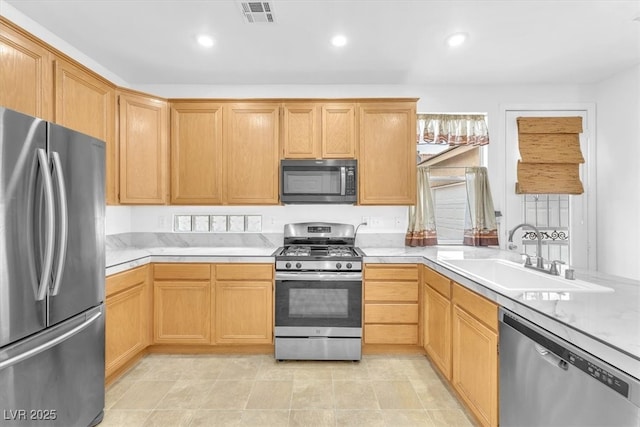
<point x="391" y="313"/>
<point x="437" y="281"/>
<point x="476" y="305"/>
<point x="244" y="272"/>
<point x="125" y="280"/>
<point x="391" y="334"/>
<point x="181" y="271"/>
<point x="391" y="291"/>
<point x="391" y="272"/>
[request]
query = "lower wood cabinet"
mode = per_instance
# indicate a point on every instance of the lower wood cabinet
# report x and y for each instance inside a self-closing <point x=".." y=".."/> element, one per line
<point x="127" y="318"/>
<point x="475" y="353"/>
<point x="391" y="304"/>
<point x="243" y="303"/>
<point x="436" y="298"/>
<point x="182" y="303"/>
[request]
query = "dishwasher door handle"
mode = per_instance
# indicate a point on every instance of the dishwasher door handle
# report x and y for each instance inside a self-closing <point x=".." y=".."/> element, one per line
<point x="551" y="358"/>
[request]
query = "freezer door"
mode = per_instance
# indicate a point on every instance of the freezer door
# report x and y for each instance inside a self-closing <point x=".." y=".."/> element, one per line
<point x="56" y="377"/>
<point x="21" y="137"/>
<point x="78" y="163"/>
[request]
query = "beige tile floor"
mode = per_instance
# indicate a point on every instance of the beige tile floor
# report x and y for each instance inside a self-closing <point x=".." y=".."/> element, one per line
<point x="256" y="390"/>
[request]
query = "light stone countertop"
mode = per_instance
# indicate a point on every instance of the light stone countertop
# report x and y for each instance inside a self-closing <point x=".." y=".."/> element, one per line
<point x="606" y="325"/>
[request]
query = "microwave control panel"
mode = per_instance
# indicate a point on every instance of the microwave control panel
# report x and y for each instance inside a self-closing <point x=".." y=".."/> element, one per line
<point x="351" y="181"/>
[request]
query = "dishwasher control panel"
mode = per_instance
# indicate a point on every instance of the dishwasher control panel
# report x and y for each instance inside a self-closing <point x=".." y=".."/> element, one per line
<point x="600" y="374"/>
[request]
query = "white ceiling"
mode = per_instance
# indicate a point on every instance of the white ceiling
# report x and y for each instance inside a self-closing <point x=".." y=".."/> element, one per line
<point x="390" y="42"/>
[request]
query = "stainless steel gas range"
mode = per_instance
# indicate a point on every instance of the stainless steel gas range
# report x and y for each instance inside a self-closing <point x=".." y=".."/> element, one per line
<point x="318" y="293"/>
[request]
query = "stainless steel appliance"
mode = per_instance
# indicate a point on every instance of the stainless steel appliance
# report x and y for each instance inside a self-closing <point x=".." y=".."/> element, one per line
<point x="318" y="293"/>
<point x="52" y="267"/>
<point x="319" y="181"/>
<point x="546" y="381"/>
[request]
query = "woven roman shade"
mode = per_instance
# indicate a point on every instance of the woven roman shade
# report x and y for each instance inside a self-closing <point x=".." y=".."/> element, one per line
<point x="550" y="155"/>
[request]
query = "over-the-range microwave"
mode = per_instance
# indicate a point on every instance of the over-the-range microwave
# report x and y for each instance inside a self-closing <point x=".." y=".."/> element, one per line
<point x="319" y="181"/>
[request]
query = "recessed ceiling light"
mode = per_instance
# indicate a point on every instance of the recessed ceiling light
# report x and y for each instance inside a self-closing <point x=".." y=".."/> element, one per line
<point x="339" y="40"/>
<point x="205" y="41"/>
<point x="456" y="39"/>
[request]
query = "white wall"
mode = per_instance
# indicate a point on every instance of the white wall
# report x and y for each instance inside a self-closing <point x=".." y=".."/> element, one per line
<point x="618" y="174"/>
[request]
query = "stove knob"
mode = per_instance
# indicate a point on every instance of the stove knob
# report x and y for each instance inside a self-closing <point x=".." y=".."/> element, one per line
<point x="338" y="266"/>
<point x="298" y="265"/>
<point x="288" y="265"/>
<point x="349" y="265"/>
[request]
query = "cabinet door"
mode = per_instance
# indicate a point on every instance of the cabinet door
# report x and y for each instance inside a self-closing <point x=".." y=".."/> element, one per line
<point x="387" y="154"/>
<point x="244" y="312"/>
<point x="86" y="103"/>
<point x="196" y="153"/>
<point x="182" y="312"/>
<point x="437" y="329"/>
<point x="475" y="366"/>
<point x="127" y="323"/>
<point x="339" y="131"/>
<point x="251" y="153"/>
<point x="300" y="131"/>
<point x="143" y="149"/>
<point x="25" y="74"/>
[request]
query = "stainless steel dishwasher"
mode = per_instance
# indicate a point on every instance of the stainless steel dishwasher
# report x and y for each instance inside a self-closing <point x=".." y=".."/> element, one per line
<point x="546" y="381"/>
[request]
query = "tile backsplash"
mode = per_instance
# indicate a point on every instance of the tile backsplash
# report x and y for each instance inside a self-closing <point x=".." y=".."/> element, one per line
<point x="200" y="223"/>
<point x="250" y="219"/>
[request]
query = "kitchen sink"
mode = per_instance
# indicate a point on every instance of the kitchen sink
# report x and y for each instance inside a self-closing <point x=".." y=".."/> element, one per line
<point x="513" y="277"/>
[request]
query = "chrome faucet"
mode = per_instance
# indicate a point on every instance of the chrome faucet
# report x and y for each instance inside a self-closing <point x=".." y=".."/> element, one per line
<point x="539" y="260"/>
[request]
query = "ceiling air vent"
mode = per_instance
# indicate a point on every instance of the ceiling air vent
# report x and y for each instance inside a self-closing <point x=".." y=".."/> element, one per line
<point x="257" y="11"/>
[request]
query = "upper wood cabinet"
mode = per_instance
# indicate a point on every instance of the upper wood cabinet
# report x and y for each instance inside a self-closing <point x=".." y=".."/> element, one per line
<point x="196" y="153"/>
<point x="143" y="149"/>
<point x="338" y="130"/>
<point x="26" y="78"/>
<point x="251" y="153"/>
<point x="313" y="130"/>
<point x="85" y="102"/>
<point x="387" y="151"/>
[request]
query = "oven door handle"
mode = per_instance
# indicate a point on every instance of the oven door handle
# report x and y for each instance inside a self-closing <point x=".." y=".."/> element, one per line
<point x="316" y="277"/>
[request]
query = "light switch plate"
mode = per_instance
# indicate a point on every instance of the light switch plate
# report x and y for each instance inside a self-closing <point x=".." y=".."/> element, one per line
<point x="236" y="223"/>
<point x="253" y="223"/>
<point x="201" y="223"/>
<point x="182" y="223"/>
<point x="218" y="223"/>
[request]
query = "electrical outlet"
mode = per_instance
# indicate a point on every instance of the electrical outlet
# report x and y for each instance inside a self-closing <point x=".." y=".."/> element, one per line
<point x="397" y="221"/>
<point x="376" y="222"/>
<point x="366" y="219"/>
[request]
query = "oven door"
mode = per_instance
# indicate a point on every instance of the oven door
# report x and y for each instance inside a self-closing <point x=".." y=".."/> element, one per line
<point x="318" y="304"/>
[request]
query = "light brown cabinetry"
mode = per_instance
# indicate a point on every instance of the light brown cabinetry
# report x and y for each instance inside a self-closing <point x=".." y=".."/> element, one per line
<point x="436" y="299"/>
<point x="251" y="153"/>
<point x="313" y="130"/>
<point x="26" y="73"/>
<point x="86" y="103"/>
<point x="391" y="304"/>
<point x="182" y="303"/>
<point x="143" y="148"/>
<point x="386" y="153"/>
<point x="475" y="353"/>
<point x="243" y="303"/>
<point x="196" y="153"/>
<point x="127" y="318"/>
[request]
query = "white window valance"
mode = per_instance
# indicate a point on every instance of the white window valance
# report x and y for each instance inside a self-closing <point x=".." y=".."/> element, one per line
<point x="453" y="129"/>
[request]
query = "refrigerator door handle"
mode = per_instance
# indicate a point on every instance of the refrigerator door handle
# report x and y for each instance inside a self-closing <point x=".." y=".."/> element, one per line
<point x="63" y="230"/>
<point x="49" y="344"/>
<point x="50" y="225"/>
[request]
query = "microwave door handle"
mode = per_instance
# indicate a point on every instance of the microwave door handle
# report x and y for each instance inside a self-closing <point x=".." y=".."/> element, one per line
<point x="343" y="180"/>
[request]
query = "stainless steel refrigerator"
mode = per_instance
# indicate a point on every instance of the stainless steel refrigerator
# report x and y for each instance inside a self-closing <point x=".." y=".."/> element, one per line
<point x="52" y="267"/>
